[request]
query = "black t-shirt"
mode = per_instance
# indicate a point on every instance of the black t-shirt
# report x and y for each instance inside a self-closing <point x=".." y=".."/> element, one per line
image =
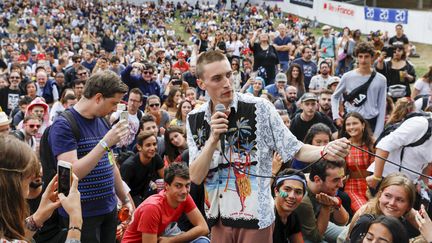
<point x="9" y="99"/>
<point x="138" y="176"/>
<point x="282" y="231"/>
<point x="399" y="41"/>
<point x="202" y="45"/>
<point x="265" y="58"/>
<point x="299" y="128"/>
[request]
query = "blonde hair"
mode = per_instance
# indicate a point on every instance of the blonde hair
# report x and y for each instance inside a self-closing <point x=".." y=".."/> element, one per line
<point x="17" y="162"/>
<point x="394" y="179"/>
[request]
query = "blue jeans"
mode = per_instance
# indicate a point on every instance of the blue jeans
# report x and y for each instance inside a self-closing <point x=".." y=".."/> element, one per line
<point x="284" y="65"/>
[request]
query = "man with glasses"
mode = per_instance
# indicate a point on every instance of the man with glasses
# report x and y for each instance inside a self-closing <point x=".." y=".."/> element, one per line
<point x="9" y="96"/>
<point x="27" y="134"/>
<point x="71" y="72"/>
<point x="82" y="73"/>
<point x="144" y="82"/>
<point x="322" y="213"/>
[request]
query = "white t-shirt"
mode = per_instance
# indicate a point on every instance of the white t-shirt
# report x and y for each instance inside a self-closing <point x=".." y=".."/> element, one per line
<point x="424" y="88"/>
<point x="415" y="158"/>
<point x="318" y="82"/>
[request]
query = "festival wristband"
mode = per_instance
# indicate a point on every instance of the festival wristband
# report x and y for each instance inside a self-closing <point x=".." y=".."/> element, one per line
<point x="104" y="145"/>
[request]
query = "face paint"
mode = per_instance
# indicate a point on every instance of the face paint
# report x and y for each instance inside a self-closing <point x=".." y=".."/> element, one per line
<point x="283" y="194"/>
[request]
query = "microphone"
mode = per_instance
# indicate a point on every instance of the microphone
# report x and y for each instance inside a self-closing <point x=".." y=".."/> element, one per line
<point x="221" y="108"/>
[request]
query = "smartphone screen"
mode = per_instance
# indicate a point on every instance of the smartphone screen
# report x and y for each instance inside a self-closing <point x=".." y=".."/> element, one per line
<point x="124" y="115"/>
<point x="64" y="171"/>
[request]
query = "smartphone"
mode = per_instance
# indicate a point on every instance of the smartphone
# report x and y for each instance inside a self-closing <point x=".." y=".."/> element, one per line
<point x="177" y="82"/>
<point x="64" y="179"/>
<point x="124" y="115"/>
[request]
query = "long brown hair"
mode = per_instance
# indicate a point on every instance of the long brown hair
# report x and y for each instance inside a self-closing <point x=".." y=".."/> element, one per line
<point x="17" y="162"/>
<point x="402" y="107"/>
<point x="367" y="136"/>
<point x="299" y="82"/>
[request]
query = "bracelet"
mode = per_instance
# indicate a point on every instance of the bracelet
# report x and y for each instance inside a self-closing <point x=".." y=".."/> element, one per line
<point x="104" y="145"/>
<point x="74" y="228"/>
<point x="376" y="178"/>
<point x="31" y="224"/>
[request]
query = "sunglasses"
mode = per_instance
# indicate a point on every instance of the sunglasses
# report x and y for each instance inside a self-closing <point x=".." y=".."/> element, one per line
<point x="147" y="72"/>
<point x="34" y="126"/>
<point x="154" y="105"/>
<point x="77" y="61"/>
<point x="14" y="77"/>
<point x="80" y="74"/>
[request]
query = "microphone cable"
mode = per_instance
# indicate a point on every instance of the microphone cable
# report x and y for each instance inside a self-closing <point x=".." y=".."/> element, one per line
<point x="322" y="157"/>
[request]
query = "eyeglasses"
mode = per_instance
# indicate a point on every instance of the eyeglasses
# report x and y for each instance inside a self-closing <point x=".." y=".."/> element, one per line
<point x="147" y="72"/>
<point x="34" y="126"/>
<point x="154" y="105"/>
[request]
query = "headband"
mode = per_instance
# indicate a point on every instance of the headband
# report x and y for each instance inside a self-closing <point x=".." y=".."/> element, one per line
<point x="291" y="177"/>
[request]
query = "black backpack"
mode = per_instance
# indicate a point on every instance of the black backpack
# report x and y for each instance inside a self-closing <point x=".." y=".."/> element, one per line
<point x="52" y="230"/>
<point x="389" y="129"/>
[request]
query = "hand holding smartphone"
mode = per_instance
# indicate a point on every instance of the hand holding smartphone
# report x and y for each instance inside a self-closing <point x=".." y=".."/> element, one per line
<point x="64" y="171"/>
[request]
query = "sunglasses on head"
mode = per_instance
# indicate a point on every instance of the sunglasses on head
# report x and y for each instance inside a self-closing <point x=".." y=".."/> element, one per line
<point x="154" y="105"/>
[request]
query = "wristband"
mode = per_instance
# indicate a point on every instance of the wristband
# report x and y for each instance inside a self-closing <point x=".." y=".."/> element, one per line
<point x="104" y="145"/>
<point x="74" y="228"/>
<point x="376" y="178"/>
<point x="31" y="224"/>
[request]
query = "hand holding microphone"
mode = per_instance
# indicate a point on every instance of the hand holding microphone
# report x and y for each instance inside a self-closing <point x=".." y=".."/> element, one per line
<point x="219" y="125"/>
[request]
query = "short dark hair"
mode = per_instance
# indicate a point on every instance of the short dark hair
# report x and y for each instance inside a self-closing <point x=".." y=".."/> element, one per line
<point x="304" y="49"/>
<point x="364" y="47"/>
<point x="68" y="97"/>
<point x="176" y="169"/>
<point x="77" y="82"/>
<point x="31" y="117"/>
<point x="106" y="83"/>
<point x="147" y="118"/>
<point x="76" y="57"/>
<point x="325" y="91"/>
<point x="143" y="136"/>
<point x="138" y="92"/>
<point x="25" y="100"/>
<point x="320" y="168"/>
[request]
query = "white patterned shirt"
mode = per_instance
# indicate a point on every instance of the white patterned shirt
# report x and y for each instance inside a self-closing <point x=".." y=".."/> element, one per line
<point x="255" y="131"/>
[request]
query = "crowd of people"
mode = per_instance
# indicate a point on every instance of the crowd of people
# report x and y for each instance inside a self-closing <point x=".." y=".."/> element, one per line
<point x="250" y="129"/>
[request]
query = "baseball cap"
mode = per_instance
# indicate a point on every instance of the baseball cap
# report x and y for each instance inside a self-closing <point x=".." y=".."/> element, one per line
<point x="281" y="77"/>
<point x="34" y="52"/>
<point x="325" y="27"/>
<point x="308" y="96"/>
<point x="181" y="55"/>
<point x="333" y="81"/>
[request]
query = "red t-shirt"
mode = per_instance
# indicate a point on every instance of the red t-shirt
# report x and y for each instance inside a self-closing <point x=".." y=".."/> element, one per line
<point x="183" y="67"/>
<point x="154" y="215"/>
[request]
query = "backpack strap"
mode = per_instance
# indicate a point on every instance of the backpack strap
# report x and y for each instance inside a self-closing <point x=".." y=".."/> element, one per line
<point x="67" y="114"/>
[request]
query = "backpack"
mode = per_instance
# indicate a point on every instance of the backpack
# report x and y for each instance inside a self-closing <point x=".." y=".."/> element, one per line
<point x="52" y="229"/>
<point x="333" y="40"/>
<point x="389" y="129"/>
